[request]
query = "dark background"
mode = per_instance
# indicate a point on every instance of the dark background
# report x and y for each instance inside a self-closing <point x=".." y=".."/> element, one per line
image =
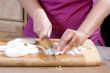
<point x="105" y="31"/>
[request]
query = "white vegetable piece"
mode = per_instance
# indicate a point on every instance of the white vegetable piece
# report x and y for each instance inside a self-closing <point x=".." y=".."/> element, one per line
<point x="3" y="47"/>
<point x="32" y="49"/>
<point x="77" y="50"/>
<point x="19" y="47"/>
<point x="16" y="51"/>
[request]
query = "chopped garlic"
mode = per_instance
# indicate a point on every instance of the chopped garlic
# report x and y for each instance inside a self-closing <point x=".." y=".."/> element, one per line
<point x="76" y="50"/>
<point x="49" y="51"/>
<point x="19" y="47"/>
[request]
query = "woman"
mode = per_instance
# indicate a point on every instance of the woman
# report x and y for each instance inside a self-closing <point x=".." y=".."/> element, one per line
<point x="72" y="20"/>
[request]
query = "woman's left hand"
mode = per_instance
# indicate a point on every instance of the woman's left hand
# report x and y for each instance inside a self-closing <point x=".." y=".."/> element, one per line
<point x="69" y="39"/>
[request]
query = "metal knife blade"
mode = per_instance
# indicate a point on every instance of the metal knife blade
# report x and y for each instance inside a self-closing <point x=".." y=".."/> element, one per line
<point x="48" y="53"/>
<point x="45" y="42"/>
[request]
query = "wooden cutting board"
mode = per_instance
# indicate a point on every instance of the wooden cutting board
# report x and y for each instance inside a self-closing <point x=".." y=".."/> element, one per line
<point x="88" y="58"/>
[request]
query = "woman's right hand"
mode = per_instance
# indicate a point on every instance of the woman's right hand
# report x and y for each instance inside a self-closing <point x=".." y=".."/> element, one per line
<point x="41" y="24"/>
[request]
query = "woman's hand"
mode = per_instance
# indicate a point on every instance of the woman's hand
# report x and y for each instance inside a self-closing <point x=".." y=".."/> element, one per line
<point x="42" y="25"/>
<point x="69" y="39"/>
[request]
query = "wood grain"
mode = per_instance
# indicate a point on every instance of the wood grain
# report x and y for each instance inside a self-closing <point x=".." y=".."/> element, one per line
<point x="11" y="10"/>
<point x="89" y="58"/>
<point x="11" y="27"/>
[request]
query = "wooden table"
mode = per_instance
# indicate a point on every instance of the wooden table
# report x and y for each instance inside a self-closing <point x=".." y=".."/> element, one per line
<point x="104" y="68"/>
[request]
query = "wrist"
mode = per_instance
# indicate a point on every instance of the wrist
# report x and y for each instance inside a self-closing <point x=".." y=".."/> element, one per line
<point x="38" y="13"/>
<point x="82" y="34"/>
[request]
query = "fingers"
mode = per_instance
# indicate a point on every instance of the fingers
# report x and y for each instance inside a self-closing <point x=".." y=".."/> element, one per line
<point x="69" y="45"/>
<point x="67" y="36"/>
<point x="69" y="39"/>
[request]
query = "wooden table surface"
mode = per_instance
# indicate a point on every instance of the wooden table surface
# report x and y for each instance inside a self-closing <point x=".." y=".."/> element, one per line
<point x="104" y="68"/>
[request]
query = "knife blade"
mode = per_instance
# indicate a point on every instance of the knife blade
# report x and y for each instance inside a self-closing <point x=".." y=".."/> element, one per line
<point x="48" y="53"/>
<point x="45" y="42"/>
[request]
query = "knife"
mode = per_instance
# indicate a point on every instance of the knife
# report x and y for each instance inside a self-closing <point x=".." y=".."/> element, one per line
<point x="48" y="53"/>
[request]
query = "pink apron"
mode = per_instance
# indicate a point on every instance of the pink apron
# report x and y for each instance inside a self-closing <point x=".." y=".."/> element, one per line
<point x="64" y="14"/>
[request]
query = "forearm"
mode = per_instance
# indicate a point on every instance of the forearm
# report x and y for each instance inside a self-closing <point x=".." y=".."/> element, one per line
<point x="95" y="18"/>
<point x="31" y="6"/>
<point x="41" y="23"/>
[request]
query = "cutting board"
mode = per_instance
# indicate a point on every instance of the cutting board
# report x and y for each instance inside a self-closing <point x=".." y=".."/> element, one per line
<point x="88" y="58"/>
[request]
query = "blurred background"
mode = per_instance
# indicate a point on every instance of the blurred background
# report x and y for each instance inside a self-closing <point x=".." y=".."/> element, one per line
<point x="12" y="18"/>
